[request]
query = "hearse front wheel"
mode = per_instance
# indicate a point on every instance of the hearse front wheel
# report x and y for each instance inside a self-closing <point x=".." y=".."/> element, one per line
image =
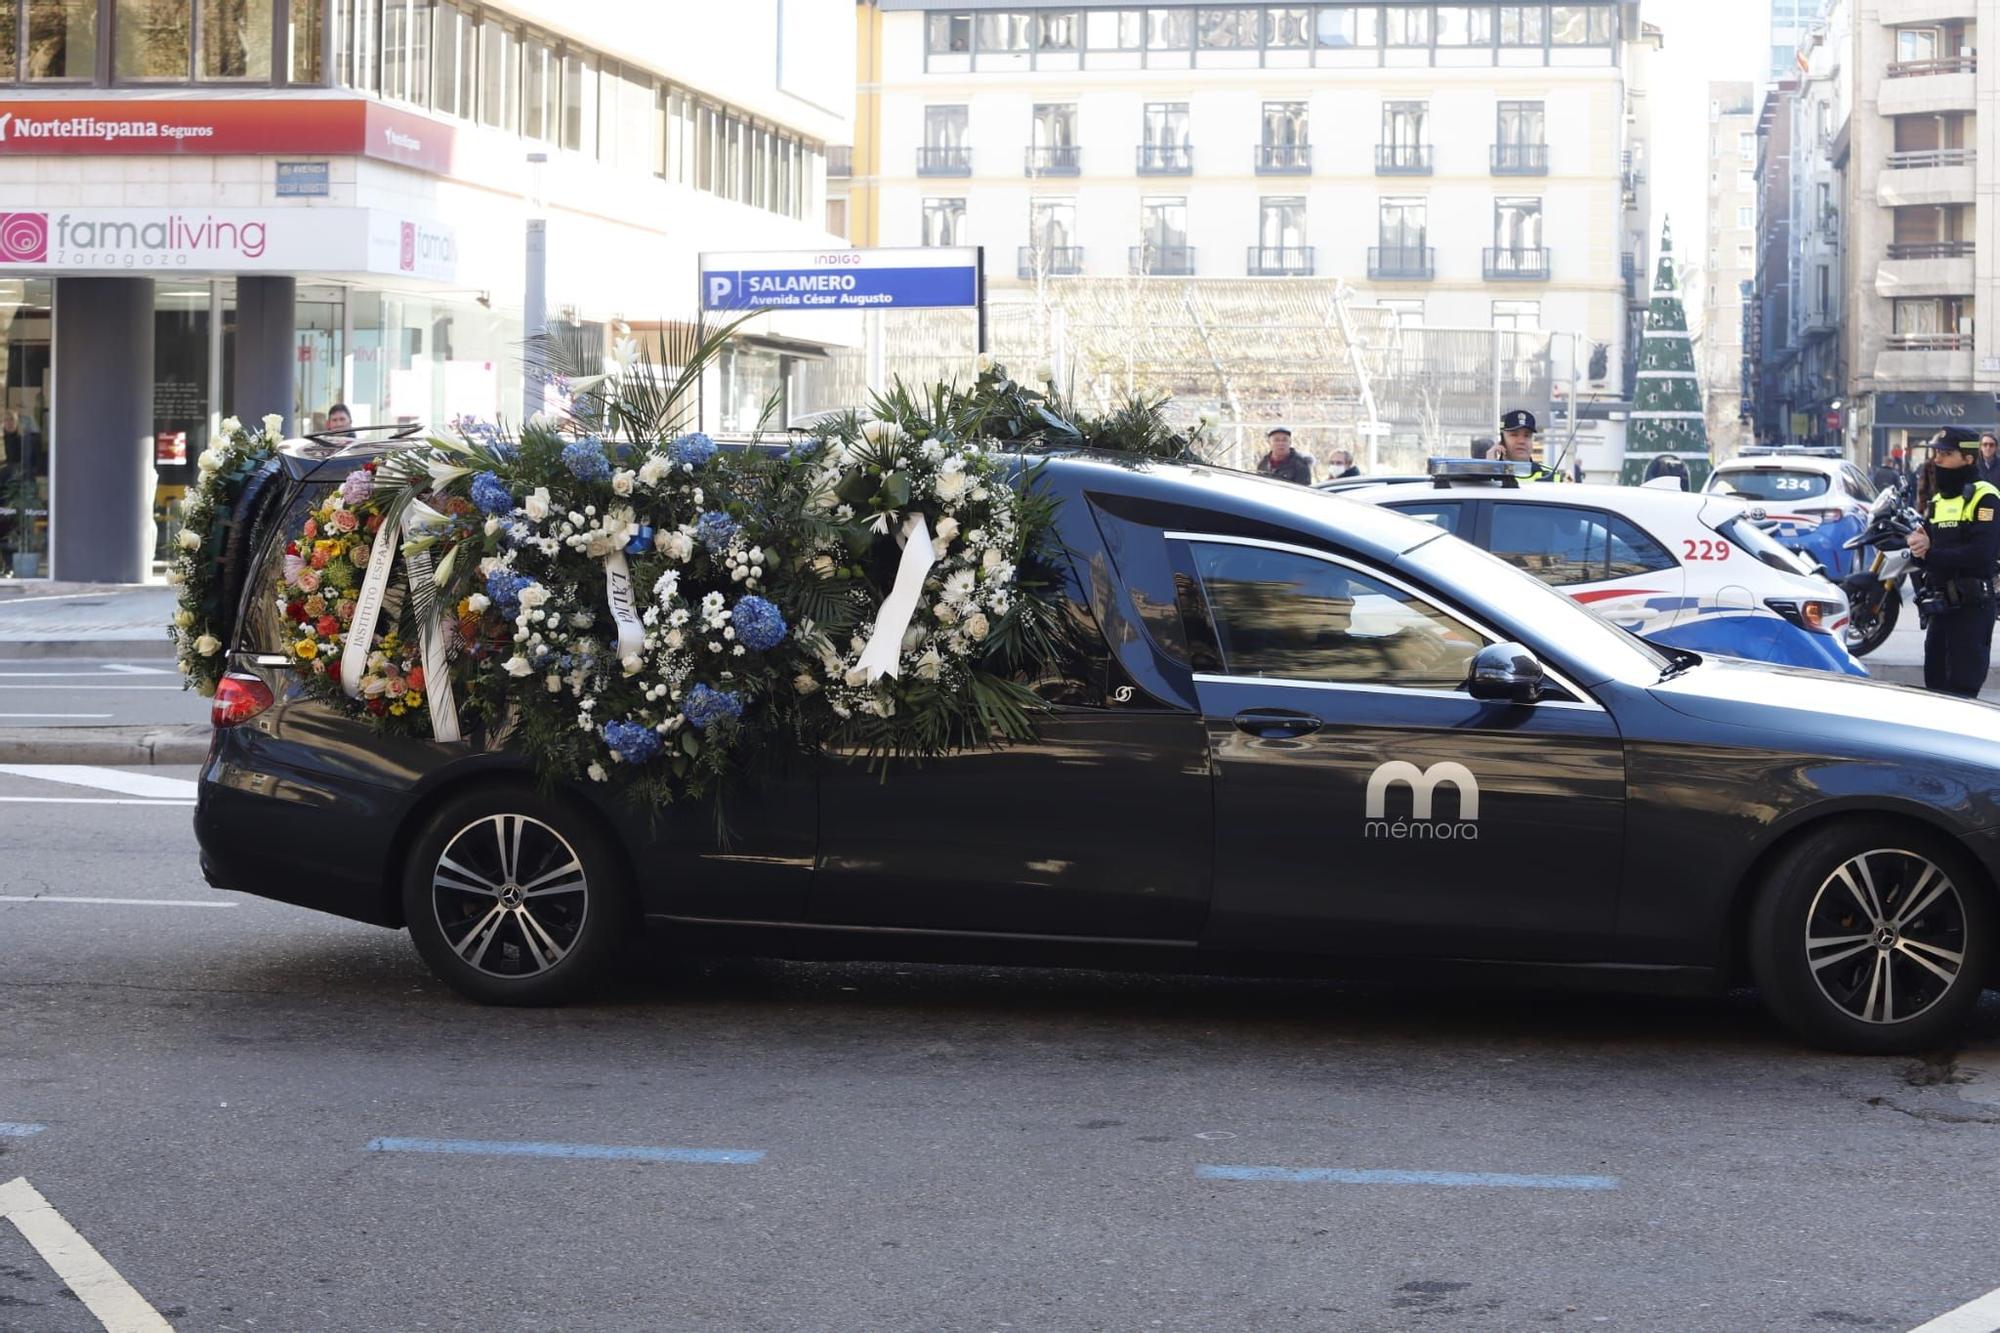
<point x="1872" y="937"/>
<point x="512" y="899"/>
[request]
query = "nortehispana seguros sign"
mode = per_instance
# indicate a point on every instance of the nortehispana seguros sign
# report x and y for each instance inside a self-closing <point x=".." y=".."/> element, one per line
<point x="908" y="278"/>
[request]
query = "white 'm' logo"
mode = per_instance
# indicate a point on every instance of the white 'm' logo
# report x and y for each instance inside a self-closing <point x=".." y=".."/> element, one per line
<point x="1423" y="785"/>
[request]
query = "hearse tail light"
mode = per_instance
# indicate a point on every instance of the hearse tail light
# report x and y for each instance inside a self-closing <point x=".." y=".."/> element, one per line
<point x="238" y="699"/>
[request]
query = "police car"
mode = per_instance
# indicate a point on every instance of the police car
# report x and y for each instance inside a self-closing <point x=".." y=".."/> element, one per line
<point x="1813" y="497"/>
<point x="1685" y="571"/>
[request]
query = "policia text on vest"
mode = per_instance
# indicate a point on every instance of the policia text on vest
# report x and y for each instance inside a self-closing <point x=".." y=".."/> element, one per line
<point x="1958" y="551"/>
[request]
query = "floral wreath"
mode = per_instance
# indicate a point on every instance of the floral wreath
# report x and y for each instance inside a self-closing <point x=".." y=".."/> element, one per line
<point x="201" y="621"/>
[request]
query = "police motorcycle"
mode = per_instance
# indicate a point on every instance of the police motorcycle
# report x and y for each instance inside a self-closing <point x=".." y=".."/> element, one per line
<point x="1875" y="588"/>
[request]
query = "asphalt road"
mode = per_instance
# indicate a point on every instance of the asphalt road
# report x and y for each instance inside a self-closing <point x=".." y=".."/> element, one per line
<point x="204" y="1094"/>
<point x="77" y="692"/>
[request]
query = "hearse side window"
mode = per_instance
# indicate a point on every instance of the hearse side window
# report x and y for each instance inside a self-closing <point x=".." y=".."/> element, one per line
<point x="1562" y="546"/>
<point x="1280" y="615"/>
<point x="1446" y="514"/>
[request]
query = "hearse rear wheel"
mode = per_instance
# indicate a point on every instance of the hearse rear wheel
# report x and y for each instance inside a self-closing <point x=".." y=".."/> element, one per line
<point x="513" y="899"/>
<point x="1872" y="937"/>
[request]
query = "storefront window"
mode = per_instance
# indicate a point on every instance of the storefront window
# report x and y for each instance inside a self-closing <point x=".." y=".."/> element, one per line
<point x="181" y="406"/>
<point x="153" y="39"/>
<point x="753" y="390"/>
<point x="422" y="360"/>
<point x="25" y="436"/>
<point x="62" y="39"/>
<point x="236" y="40"/>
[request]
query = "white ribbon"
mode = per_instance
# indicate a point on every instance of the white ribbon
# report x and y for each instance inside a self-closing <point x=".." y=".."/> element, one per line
<point x="618" y="592"/>
<point x="418" y="518"/>
<point x="883" y="653"/>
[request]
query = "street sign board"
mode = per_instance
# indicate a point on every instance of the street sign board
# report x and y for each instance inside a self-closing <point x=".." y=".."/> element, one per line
<point x="304" y="179"/>
<point x="907" y="278"/>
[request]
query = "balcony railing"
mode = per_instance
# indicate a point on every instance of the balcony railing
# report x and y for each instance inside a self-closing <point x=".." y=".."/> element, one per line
<point x="1912" y="69"/>
<point x="839" y="161"/>
<point x="1166" y="159"/>
<point x="955" y="160"/>
<point x="1280" y="261"/>
<point x="1405" y="262"/>
<point x="1402" y="159"/>
<point x="1051" y="261"/>
<point x="1520" y="159"/>
<point x="1055" y="160"/>
<point x="1519" y="264"/>
<point x="1175" y="261"/>
<point x="1284" y="159"/>
<point x="1929" y="342"/>
<point x="1932" y="157"/>
<point x="1931" y="250"/>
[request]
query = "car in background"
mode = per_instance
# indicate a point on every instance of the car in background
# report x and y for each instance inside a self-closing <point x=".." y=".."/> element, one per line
<point x="1684" y="571"/>
<point x="1815" y="499"/>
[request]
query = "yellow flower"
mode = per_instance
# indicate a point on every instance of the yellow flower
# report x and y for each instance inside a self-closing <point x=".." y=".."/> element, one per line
<point x="412" y="699"/>
<point x="464" y="607"/>
<point x="307" y="649"/>
<point x="395" y="710"/>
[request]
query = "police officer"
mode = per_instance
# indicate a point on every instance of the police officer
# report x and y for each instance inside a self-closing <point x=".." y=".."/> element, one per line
<point x="1957" y="551"/>
<point x="1517" y="444"/>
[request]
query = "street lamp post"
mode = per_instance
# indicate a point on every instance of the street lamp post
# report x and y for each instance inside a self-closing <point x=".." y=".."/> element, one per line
<point x="535" y="289"/>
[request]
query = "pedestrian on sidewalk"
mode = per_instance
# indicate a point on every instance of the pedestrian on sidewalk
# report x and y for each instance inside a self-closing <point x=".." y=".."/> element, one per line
<point x="1282" y="461"/>
<point x="1989" y="458"/>
<point x="1341" y="463"/>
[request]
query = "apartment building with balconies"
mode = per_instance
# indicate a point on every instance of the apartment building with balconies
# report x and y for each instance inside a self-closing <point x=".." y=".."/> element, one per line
<point x="1811" y="372"/>
<point x="1731" y="262"/>
<point x="1464" y="165"/>
<point x="1915" y="174"/>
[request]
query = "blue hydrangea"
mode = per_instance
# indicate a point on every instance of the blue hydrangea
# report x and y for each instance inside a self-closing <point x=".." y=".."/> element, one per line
<point x="503" y="587"/>
<point x="716" y="530"/>
<point x="695" y="449"/>
<point x="706" y="707"/>
<point x="633" y="742"/>
<point x="491" y="494"/>
<point x="760" y="626"/>
<point x="586" y="461"/>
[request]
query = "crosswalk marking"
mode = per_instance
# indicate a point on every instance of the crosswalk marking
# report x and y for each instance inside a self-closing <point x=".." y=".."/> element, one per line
<point x="118" y="1307"/>
<point x="145" y="785"/>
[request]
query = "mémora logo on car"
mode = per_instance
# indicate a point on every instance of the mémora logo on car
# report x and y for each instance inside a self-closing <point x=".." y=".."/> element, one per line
<point x="1423" y="784"/>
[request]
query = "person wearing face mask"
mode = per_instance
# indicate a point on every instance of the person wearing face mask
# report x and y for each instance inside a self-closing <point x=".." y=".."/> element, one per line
<point x="1957" y="551"/>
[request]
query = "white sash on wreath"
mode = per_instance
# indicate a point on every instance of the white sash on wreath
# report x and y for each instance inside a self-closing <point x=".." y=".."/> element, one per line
<point x="418" y="518"/>
<point x="883" y="653"/>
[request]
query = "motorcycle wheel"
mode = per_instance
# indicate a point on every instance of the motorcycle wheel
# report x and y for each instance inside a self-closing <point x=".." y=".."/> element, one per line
<point x="1865" y="636"/>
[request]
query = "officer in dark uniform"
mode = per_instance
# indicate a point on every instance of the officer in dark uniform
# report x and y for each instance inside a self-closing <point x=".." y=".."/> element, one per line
<point x="1517" y="444"/>
<point x="1957" y="551"/>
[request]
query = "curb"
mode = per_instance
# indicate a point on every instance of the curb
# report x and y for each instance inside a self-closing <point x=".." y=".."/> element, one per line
<point x="112" y="746"/>
<point x="1905" y="674"/>
<point x="148" y="649"/>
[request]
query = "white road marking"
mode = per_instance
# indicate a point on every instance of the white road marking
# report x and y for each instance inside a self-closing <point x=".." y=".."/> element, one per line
<point x="55" y="715"/>
<point x="110" y="902"/>
<point x="125" y="688"/>
<point x="87" y="800"/>
<point x="59" y="597"/>
<point x="123" y="669"/>
<point x="83" y="1270"/>
<point x="1980" y="1316"/>
<point x="77" y="672"/>
<point x="106" y="779"/>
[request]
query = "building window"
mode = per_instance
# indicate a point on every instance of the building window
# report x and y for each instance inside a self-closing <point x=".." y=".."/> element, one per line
<point x="1052" y="223"/>
<point x="1115" y="29"/>
<point x="1404" y="313"/>
<point x="541" y="91"/>
<point x="406" y="50"/>
<point x="579" y="110"/>
<point x="1746" y="215"/>
<point x="1169" y="29"/>
<point x="1517" y="224"/>
<point x="235" y="39"/>
<point x="1746" y="180"/>
<point x="1227" y="29"/>
<point x="62" y="39"/>
<point x="1408" y="27"/>
<point x="1523" y="25"/>
<point x="1746" y="145"/>
<point x="1522" y="124"/>
<point x="1915" y="44"/>
<point x="1281" y="222"/>
<point x="499" y="76"/>
<point x="455" y="63"/>
<point x="1288" y="29"/>
<point x="1401" y="224"/>
<point x="950" y="34"/>
<point x="153" y="39"/>
<point x="1465" y="25"/>
<point x="944" y="222"/>
<point x="944" y="150"/>
<point x="1580" y="25"/>
<point x="1003" y="33"/>
<point x="1350" y="26"/>
<point x="1163" y="237"/>
<point x="1164" y="144"/>
<point x="305" y="37"/>
<point x="1746" y="256"/>
<point x="1517" y="316"/>
<point x="1055" y="32"/>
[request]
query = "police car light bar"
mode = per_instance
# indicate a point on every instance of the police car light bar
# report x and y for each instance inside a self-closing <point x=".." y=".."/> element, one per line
<point x="1789" y="451"/>
<point x="1444" y="471"/>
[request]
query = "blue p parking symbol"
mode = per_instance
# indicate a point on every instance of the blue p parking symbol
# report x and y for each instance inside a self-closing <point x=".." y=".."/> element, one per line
<point x="720" y="287"/>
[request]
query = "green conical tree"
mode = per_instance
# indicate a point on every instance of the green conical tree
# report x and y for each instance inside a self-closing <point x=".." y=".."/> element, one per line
<point x="1667" y="406"/>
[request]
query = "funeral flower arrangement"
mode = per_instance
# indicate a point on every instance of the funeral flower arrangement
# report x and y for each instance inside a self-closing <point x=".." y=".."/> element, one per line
<point x="637" y="605"/>
<point x="200" y="619"/>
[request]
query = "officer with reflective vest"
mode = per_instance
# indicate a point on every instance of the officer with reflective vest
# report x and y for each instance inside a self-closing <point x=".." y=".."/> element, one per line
<point x="1957" y="551"/>
<point x="1517" y="445"/>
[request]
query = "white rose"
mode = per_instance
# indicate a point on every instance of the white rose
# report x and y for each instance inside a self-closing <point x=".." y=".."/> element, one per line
<point x="675" y="640"/>
<point x="929" y="665"/>
<point x="211" y="460"/>
<point x="184" y="618"/>
<point x="208" y="645"/>
<point x="976" y="626"/>
<point x="478" y="602"/>
<point x="947" y="528"/>
<point x="983" y="362"/>
<point x="534" y="595"/>
<point x="989" y="561"/>
<point x="274" y="425"/>
<point x="190" y="540"/>
<point x="949" y="485"/>
<point x="554" y="684"/>
<point x="536" y="506"/>
<point x="634" y="664"/>
<point x="517" y="666"/>
<point x="175" y="578"/>
<point x="879" y="432"/>
<point x="230" y="425"/>
<point x="1046" y="372"/>
<point x="597" y="773"/>
<point x="804" y="683"/>
<point x="856" y="677"/>
<point x="651" y="471"/>
<point x="621" y="481"/>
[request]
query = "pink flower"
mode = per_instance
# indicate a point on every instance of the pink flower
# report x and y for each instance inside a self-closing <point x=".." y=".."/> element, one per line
<point x="345" y="610"/>
<point x="345" y="521"/>
<point x="360" y="484"/>
<point x="308" y="580"/>
<point x="293" y="564"/>
<point x="359" y="553"/>
<point x="319" y="559"/>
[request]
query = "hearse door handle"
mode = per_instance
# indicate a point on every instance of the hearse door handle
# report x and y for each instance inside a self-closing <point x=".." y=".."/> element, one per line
<point x="1277" y="722"/>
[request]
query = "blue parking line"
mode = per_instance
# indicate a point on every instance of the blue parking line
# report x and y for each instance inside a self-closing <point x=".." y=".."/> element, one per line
<point x="1462" y="1179"/>
<point x="607" y="1152"/>
<point x="12" y="1129"/>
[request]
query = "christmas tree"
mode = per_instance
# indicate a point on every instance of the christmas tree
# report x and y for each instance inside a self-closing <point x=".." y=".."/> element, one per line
<point x="1667" y="408"/>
